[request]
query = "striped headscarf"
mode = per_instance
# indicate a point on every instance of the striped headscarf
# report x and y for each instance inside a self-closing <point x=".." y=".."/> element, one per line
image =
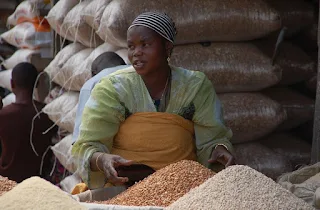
<point x="158" y="22"/>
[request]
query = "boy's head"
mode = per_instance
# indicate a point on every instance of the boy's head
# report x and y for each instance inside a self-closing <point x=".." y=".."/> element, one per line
<point x="24" y="76"/>
<point x="106" y="60"/>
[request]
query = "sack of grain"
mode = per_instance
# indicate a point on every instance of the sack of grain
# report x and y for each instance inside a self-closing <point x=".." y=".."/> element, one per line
<point x="6" y="185"/>
<point x="303" y="183"/>
<point x="123" y="53"/>
<point x="26" y="11"/>
<point x="6" y="50"/>
<point x="62" y="151"/>
<point x="239" y="187"/>
<point x="5" y="79"/>
<point x="71" y="76"/>
<point x="295" y="15"/>
<point x="9" y="99"/>
<point x="299" y="108"/>
<point x="250" y="115"/>
<point x="229" y="69"/>
<point x="21" y="55"/>
<point x="297" y="151"/>
<point x="296" y="65"/>
<point x="62" y="110"/>
<point x="54" y="93"/>
<point x="308" y="38"/>
<point x="29" y="35"/>
<point x="94" y="11"/>
<point x="311" y="84"/>
<point x="62" y="57"/>
<point x="76" y="28"/>
<point x="36" y="193"/>
<point x="164" y="186"/>
<point x="57" y="14"/>
<point x="262" y="159"/>
<point x="196" y="21"/>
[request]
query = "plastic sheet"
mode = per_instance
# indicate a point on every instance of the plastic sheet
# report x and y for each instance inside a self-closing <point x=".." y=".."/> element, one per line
<point x="228" y="67"/>
<point x="196" y="21"/>
<point x="251" y="115"/>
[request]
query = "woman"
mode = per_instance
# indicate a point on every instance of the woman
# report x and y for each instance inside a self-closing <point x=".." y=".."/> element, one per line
<point x="150" y="113"/>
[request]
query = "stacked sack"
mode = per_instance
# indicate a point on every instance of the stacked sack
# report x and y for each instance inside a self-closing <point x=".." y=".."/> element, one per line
<point x="232" y="42"/>
<point x="31" y="35"/>
<point x="76" y="23"/>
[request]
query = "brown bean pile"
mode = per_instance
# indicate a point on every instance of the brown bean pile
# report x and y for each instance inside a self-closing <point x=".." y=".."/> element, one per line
<point x="6" y="185"/>
<point x="164" y="186"/>
<point x="239" y="187"/>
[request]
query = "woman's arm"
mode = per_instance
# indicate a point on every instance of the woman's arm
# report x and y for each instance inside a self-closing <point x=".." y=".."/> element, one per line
<point x="100" y="123"/>
<point x="210" y="131"/>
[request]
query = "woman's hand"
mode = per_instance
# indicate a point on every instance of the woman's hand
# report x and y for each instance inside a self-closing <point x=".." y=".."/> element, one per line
<point x="223" y="156"/>
<point x="107" y="163"/>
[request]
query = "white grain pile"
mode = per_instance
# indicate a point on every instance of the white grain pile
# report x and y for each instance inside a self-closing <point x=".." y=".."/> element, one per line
<point x="36" y="193"/>
<point x="239" y="187"/>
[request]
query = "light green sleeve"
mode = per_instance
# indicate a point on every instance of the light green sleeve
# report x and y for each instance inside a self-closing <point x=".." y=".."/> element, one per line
<point x="100" y="123"/>
<point x="209" y="124"/>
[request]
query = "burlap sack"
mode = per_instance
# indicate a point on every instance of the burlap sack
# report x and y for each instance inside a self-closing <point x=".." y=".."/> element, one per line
<point x="311" y="84"/>
<point x="262" y="159"/>
<point x="296" y="65"/>
<point x="94" y="11"/>
<point x="86" y="65"/>
<point x="26" y="11"/>
<point x="5" y="79"/>
<point x="59" y="110"/>
<point x="123" y="53"/>
<point x="70" y="76"/>
<point x="21" y="55"/>
<point x="294" y="148"/>
<point x="9" y="99"/>
<point x="57" y="14"/>
<point x="308" y="38"/>
<point x="62" y="151"/>
<point x="196" y="21"/>
<point x="304" y="183"/>
<point x="251" y="115"/>
<point x="62" y="57"/>
<point x="76" y="28"/>
<point x="295" y="15"/>
<point x="299" y="108"/>
<point x="228" y="67"/>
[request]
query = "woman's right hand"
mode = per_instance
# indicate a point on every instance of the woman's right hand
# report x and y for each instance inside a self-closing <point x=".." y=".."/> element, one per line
<point x="107" y="163"/>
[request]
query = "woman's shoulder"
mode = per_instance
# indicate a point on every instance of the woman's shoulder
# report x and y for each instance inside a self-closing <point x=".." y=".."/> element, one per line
<point x="186" y="74"/>
<point x="125" y="73"/>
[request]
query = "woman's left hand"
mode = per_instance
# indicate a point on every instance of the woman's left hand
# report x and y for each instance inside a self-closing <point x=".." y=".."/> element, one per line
<point x="223" y="156"/>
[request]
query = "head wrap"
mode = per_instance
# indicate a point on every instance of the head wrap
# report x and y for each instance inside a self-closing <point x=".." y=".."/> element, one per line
<point x="158" y="22"/>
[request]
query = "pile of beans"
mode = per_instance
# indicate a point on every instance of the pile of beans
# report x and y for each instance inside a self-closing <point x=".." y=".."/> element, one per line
<point x="164" y="186"/>
<point x="6" y="185"/>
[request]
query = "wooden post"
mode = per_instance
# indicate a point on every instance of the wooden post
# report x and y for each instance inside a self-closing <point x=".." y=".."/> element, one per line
<point x="315" y="153"/>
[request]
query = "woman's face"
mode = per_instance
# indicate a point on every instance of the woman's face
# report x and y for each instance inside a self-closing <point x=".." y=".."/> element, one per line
<point x="146" y="50"/>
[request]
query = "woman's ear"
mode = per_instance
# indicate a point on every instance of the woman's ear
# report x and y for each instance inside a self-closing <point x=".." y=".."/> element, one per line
<point x="169" y="48"/>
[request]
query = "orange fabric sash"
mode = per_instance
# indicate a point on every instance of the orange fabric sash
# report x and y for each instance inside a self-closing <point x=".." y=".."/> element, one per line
<point x="155" y="139"/>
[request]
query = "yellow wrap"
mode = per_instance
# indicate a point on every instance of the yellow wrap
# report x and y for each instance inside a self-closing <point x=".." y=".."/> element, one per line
<point x="155" y="139"/>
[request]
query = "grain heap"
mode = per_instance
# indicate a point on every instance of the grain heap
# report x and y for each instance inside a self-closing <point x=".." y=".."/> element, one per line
<point x="239" y="187"/>
<point x="6" y="185"/>
<point x="164" y="186"/>
<point x="36" y="193"/>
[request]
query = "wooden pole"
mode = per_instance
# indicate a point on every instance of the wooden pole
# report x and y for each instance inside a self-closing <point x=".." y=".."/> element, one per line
<point x="315" y="153"/>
